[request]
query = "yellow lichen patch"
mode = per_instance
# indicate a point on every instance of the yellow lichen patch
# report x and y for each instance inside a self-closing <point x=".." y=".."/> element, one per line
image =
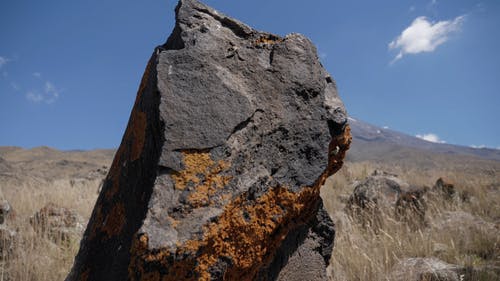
<point x="114" y="222"/>
<point x="248" y="233"/>
<point x="195" y="163"/>
<point x="204" y="174"/>
<point x="267" y="40"/>
<point x="173" y="222"/>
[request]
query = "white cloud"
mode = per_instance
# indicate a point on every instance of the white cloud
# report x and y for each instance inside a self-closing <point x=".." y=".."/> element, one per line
<point x="411" y="9"/>
<point x="51" y="92"/>
<point x="3" y="61"/>
<point x="14" y="86"/>
<point x="385" y="127"/>
<point x="48" y="95"/>
<point x="430" y="137"/>
<point x="424" y="36"/>
<point x="37" y="74"/>
<point x="34" y="97"/>
<point x="478" y="146"/>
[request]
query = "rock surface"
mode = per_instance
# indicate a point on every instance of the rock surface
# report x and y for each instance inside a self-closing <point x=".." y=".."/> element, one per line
<point x="7" y="241"/>
<point x="232" y="134"/>
<point x="5" y="210"/>
<point x="445" y="187"/>
<point x="426" y="269"/>
<point x="57" y="223"/>
<point x="385" y="192"/>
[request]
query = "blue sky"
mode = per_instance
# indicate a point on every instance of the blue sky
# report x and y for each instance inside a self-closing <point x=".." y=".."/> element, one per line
<point x="69" y="70"/>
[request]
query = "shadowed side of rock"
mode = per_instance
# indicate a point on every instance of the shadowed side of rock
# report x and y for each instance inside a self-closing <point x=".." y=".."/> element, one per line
<point x="232" y="135"/>
<point x="123" y="201"/>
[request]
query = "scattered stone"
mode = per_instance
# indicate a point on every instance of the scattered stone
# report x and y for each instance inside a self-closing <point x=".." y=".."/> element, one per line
<point x="475" y="235"/>
<point x="425" y="269"/>
<point x="57" y="223"/>
<point x="439" y="248"/>
<point x="7" y="241"/>
<point x="379" y="190"/>
<point x="445" y="187"/>
<point x="411" y="206"/>
<point x="383" y="192"/>
<point x="5" y="211"/>
<point x="232" y="134"/>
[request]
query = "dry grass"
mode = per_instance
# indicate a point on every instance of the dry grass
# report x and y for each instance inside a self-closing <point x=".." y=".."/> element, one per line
<point x="360" y="253"/>
<point x="368" y="253"/>
<point x="34" y="256"/>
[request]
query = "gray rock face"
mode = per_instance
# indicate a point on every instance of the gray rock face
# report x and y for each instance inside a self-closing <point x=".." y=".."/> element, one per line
<point x="59" y="224"/>
<point x="232" y="135"/>
<point x="5" y="210"/>
<point x="385" y="192"/>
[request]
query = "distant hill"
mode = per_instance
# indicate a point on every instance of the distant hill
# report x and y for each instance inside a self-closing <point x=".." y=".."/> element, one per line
<point x="19" y="166"/>
<point x="370" y="143"/>
<point x="379" y="145"/>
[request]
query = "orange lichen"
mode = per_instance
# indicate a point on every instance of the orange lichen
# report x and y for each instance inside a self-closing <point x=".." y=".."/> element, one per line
<point x="133" y="139"/>
<point x="247" y="233"/>
<point x="114" y="222"/>
<point x="204" y="174"/>
<point x="267" y="40"/>
<point x="141" y="257"/>
<point x="173" y="222"/>
<point x="97" y="222"/>
<point x="130" y="149"/>
<point x="145" y="79"/>
<point x="85" y="275"/>
<point x="138" y="132"/>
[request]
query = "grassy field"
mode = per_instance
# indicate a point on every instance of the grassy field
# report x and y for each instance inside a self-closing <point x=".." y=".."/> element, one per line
<point x="459" y="232"/>
<point x="456" y="231"/>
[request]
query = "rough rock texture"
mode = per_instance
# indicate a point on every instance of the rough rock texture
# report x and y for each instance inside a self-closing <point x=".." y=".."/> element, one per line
<point x="445" y="187"/>
<point x="232" y="134"/>
<point x="7" y="241"/>
<point x="57" y="223"/>
<point x="5" y="210"/>
<point x="385" y="192"/>
<point x="380" y="189"/>
<point x="426" y="269"/>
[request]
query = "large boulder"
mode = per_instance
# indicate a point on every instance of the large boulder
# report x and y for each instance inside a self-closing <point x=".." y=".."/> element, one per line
<point x="232" y="134"/>
<point x="385" y="193"/>
<point x="379" y="190"/>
